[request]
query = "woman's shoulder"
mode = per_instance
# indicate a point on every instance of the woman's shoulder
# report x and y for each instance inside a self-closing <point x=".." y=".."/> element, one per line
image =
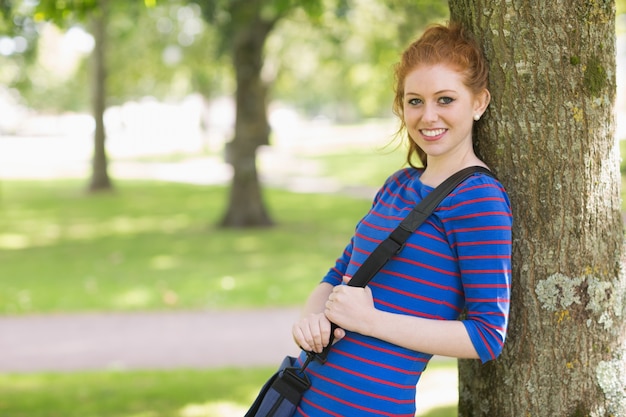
<point x="400" y="184"/>
<point x="406" y="178"/>
<point x="404" y="175"/>
<point x="483" y="182"/>
<point x="480" y="188"/>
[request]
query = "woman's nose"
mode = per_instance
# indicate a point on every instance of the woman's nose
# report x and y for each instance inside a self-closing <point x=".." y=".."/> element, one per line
<point x="430" y="114"/>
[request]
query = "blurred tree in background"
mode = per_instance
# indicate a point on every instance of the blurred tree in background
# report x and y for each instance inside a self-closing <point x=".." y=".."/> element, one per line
<point x="245" y="26"/>
<point x="323" y="56"/>
<point x="95" y="15"/>
<point x="339" y="52"/>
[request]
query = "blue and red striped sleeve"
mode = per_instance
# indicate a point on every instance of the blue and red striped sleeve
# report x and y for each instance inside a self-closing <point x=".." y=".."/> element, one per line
<point x="477" y="221"/>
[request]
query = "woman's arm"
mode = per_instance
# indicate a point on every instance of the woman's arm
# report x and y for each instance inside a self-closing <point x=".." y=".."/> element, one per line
<point x="437" y="337"/>
<point x="352" y="308"/>
<point x="477" y="223"/>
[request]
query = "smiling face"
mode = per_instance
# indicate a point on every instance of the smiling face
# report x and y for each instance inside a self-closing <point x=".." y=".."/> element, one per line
<point x="439" y="112"/>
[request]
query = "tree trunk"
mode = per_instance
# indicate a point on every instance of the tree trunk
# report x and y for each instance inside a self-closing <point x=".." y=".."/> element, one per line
<point x="246" y="206"/>
<point x="549" y="135"/>
<point x="100" y="180"/>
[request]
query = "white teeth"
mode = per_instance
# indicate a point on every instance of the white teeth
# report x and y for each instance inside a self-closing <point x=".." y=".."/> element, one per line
<point x="431" y="133"/>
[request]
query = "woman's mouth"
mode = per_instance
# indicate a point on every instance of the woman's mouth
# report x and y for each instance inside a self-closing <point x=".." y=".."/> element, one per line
<point x="432" y="134"/>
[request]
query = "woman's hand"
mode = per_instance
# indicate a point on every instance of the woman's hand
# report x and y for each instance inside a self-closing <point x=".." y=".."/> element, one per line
<point x="312" y="332"/>
<point x="350" y="307"/>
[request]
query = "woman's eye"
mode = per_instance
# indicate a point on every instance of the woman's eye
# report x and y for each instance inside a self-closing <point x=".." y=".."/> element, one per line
<point x="414" y="101"/>
<point x="446" y="100"/>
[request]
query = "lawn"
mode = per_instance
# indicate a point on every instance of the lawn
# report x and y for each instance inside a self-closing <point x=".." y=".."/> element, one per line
<point x="179" y="393"/>
<point x="154" y="245"/>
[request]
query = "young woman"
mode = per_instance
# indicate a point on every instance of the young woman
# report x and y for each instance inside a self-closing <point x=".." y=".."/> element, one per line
<point x="458" y="260"/>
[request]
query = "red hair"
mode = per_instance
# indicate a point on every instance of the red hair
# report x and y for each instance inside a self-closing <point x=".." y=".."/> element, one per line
<point x="440" y="44"/>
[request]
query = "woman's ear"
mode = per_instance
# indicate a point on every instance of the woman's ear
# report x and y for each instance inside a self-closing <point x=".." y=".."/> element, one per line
<point x="481" y="101"/>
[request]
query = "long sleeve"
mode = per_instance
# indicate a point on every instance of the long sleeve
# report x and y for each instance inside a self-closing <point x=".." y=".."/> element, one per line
<point x="478" y="225"/>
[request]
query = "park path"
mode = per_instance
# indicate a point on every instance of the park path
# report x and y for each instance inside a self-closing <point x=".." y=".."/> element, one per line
<point x="145" y="340"/>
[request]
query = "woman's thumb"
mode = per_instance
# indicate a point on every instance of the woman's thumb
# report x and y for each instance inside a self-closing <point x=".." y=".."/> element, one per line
<point x="339" y="334"/>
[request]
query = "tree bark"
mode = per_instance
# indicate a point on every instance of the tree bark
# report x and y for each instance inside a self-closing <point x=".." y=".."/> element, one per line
<point x="246" y="206"/>
<point x="549" y="135"/>
<point x="100" y="180"/>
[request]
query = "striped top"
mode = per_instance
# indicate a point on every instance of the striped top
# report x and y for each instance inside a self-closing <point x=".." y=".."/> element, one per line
<point x="458" y="260"/>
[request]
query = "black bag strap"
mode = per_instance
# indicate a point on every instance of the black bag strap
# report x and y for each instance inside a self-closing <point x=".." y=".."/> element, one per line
<point x="394" y="243"/>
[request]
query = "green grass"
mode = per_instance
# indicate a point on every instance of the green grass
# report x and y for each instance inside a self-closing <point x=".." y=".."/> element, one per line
<point x="363" y="167"/>
<point x="153" y="245"/>
<point x="179" y="393"/>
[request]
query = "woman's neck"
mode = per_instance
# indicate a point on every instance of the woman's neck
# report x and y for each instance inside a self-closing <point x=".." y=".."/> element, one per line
<point x="437" y="170"/>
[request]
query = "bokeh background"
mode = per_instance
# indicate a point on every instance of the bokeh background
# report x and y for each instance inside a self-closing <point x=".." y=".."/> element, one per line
<point x="151" y="242"/>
